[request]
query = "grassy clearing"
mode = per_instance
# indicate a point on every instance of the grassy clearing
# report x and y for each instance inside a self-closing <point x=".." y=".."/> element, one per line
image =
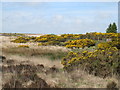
<point x="42" y="52"/>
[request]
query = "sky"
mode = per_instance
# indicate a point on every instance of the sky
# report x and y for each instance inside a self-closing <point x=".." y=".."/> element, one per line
<point x="58" y="17"/>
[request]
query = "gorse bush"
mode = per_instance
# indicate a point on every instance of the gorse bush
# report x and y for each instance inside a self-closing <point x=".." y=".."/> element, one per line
<point x="105" y="45"/>
<point x="46" y="40"/>
<point x="24" y="46"/>
<point x="60" y="39"/>
<point x="115" y="43"/>
<point x="42" y="44"/>
<point x="81" y="43"/>
<point x="98" y="62"/>
<point x="21" y="40"/>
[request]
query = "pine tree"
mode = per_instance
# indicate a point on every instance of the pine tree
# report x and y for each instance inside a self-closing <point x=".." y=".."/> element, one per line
<point x="109" y="29"/>
<point x="112" y="28"/>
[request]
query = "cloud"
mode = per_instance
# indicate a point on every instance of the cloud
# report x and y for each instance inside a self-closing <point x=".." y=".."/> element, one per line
<point x="33" y="3"/>
<point x="59" y="17"/>
<point x="56" y="20"/>
<point x="28" y="22"/>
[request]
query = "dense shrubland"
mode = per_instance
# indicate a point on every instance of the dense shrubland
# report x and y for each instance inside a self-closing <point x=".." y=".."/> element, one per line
<point x="81" y="43"/>
<point x="109" y="44"/>
<point x="23" y="39"/>
<point x="102" y="61"/>
<point x="60" y="40"/>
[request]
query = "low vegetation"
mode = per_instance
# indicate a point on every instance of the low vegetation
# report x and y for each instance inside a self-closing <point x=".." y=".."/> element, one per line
<point x="81" y="43"/>
<point x="101" y="63"/>
<point x="12" y="34"/>
<point x="96" y="55"/>
<point x="27" y="75"/>
<point x="25" y="50"/>
<point x="60" y="40"/>
<point x="24" y="46"/>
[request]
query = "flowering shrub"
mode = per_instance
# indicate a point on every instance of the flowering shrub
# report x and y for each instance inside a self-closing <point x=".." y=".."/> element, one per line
<point x="103" y="45"/>
<point x="21" y="40"/>
<point x="115" y="44"/>
<point x="109" y="44"/>
<point x="98" y="62"/>
<point x="60" y="39"/>
<point x="25" y="46"/>
<point x="101" y="36"/>
<point x="81" y="43"/>
<point x="42" y="44"/>
<point x="45" y="38"/>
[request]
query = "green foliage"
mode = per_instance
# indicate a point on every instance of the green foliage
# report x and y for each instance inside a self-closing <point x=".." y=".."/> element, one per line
<point x="99" y="62"/>
<point x="21" y="40"/>
<point x="112" y="28"/>
<point x="54" y="56"/>
<point x="105" y="45"/>
<point x="70" y="40"/>
<point x="81" y="43"/>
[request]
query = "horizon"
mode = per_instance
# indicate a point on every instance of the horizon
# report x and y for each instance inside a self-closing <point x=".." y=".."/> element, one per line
<point x="58" y="17"/>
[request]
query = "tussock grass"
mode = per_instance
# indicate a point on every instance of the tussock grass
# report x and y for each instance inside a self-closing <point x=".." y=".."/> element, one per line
<point x="74" y="79"/>
<point x="53" y="54"/>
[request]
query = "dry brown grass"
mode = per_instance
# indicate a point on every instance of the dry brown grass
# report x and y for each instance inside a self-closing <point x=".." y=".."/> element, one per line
<point x="75" y="79"/>
<point x="53" y="52"/>
<point x="35" y="54"/>
<point x="0" y="80"/>
<point x="36" y="60"/>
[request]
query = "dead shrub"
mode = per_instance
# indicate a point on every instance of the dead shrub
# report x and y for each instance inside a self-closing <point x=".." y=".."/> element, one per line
<point x="52" y="70"/>
<point x="39" y="83"/>
<point x="2" y="58"/>
<point x="13" y="84"/>
<point x="10" y="61"/>
<point x="111" y="85"/>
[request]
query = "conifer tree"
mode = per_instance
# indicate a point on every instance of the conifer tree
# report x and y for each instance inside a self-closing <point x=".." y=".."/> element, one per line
<point x="112" y="28"/>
